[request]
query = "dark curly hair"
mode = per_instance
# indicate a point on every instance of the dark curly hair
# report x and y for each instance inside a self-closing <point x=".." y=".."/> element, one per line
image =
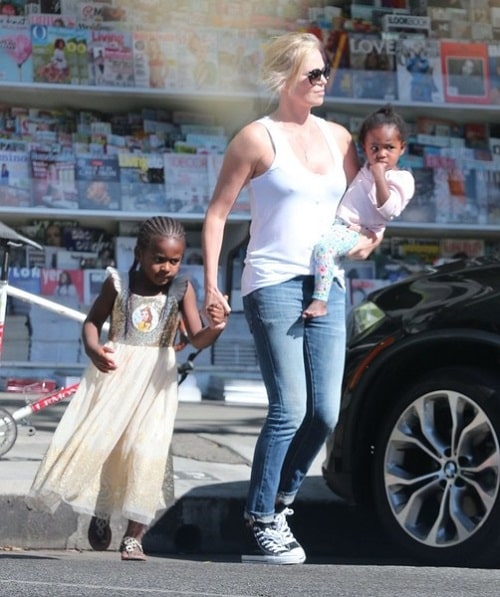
<point x="158" y="226"/>
<point x="381" y="117"/>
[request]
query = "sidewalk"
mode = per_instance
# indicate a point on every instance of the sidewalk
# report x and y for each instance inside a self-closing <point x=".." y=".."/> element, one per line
<point x="211" y="454"/>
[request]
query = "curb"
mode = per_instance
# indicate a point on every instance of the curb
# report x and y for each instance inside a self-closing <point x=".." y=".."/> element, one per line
<point x="203" y="522"/>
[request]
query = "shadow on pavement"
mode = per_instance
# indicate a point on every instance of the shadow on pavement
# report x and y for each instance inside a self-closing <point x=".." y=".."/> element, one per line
<point x="209" y="520"/>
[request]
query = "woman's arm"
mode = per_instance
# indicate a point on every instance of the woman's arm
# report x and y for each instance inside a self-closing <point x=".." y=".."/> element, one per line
<point x="241" y="160"/>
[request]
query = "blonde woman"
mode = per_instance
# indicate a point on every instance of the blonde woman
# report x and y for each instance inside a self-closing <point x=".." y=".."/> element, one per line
<point x="297" y="167"/>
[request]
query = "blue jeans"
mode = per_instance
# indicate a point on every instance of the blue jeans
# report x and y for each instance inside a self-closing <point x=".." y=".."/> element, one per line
<point x="302" y="362"/>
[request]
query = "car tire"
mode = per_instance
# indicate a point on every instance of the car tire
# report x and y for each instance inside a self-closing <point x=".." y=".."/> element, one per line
<point x="436" y="473"/>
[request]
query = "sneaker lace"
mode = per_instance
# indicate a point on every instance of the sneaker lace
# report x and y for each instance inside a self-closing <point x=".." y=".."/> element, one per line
<point x="269" y="538"/>
<point x="281" y="525"/>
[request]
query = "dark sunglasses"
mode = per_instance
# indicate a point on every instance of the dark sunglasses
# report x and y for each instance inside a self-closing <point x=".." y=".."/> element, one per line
<point x="315" y="75"/>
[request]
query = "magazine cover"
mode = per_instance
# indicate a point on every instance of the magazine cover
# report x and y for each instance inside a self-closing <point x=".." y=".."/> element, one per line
<point x="101" y="11"/>
<point x="419" y="71"/>
<point x="196" y="58"/>
<point x="337" y="51"/>
<point x="112" y="57"/>
<point x="491" y="179"/>
<point x="62" y="283"/>
<point x="86" y="239"/>
<point x="53" y="179"/>
<point x="146" y="13"/>
<point x="53" y="19"/>
<point x="98" y="181"/>
<point x="93" y="280"/>
<point x="186" y="183"/>
<point x="247" y="60"/>
<point x="13" y="7"/>
<point x="494" y="72"/>
<point x="50" y="6"/>
<point x="465" y="71"/>
<point x="238" y="59"/>
<point x="60" y="55"/>
<point x="155" y="59"/>
<point x="373" y="66"/>
<point x="28" y="279"/>
<point x="15" y="50"/>
<point x="440" y="22"/>
<point x="142" y="182"/>
<point x="15" y="187"/>
<point x="226" y="57"/>
<point x="421" y="208"/>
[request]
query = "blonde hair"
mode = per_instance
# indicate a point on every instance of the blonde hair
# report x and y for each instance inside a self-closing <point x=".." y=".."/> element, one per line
<point x="284" y="57"/>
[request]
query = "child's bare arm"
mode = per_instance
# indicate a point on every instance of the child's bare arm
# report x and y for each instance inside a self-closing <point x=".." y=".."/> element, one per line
<point x="100" y="355"/>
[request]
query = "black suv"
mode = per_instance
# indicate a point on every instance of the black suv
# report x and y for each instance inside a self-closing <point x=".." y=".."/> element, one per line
<point x="418" y="437"/>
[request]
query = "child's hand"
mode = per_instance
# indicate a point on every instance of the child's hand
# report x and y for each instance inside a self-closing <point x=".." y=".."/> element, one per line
<point x="99" y="357"/>
<point x="214" y="297"/>
<point x="217" y="315"/>
<point x="378" y="169"/>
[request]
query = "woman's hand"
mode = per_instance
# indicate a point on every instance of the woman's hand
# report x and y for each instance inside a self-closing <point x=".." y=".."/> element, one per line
<point x="368" y="241"/>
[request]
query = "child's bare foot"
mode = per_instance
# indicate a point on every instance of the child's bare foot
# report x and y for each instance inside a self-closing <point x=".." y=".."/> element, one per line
<point x="316" y="308"/>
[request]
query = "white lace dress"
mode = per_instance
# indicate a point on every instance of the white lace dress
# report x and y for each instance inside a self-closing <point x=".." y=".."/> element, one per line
<point x="109" y="452"/>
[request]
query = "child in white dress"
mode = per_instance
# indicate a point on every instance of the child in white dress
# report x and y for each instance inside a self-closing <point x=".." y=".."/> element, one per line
<point x="109" y="453"/>
<point x="378" y="193"/>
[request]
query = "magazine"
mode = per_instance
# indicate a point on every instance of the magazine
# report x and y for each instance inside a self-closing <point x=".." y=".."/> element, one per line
<point x="62" y="283"/>
<point x="53" y="179"/>
<point x="196" y="58"/>
<point x="465" y="71"/>
<point x="186" y="183"/>
<point x="93" y="280"/>
<point x="494" y="72"/>
<point x="337" y="49"/>
<point x="142" y="182"/>
<point x="60" y="55"/>
<point x="15" y="181"/>
<point x="155" y="59"/>
<point x="53" y="19"/>
<point x="15" y="51"/>
<point x="373" y="67"/>
<point x="112" y="58"/>
<point x="419" y="71"/>
<point x="98" y="182"/>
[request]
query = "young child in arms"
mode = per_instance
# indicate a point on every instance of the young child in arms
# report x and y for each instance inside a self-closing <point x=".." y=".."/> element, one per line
<point x="379" y="192"/>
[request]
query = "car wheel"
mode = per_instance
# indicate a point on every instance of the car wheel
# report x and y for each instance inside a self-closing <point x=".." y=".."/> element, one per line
<point x="436" y="469"/>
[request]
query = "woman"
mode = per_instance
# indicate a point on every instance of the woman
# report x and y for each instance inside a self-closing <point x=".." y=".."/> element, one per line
<point x="297" y="167"/>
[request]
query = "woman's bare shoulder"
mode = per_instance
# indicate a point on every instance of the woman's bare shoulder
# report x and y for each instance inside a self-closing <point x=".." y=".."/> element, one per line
<point x="251" y="140"/>
<point x="253" y="132"/>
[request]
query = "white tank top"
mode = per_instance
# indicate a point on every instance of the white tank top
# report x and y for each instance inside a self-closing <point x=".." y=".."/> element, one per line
<point x="290" y="208"/>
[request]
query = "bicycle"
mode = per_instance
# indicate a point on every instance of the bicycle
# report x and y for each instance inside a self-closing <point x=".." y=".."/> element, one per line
<point x="9" y="238"/>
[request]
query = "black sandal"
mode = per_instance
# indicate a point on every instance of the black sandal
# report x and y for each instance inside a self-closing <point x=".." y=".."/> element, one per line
<point x="99" y="533"/>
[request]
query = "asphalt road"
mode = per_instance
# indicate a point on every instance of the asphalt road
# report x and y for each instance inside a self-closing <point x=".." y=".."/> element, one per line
<point x="91" y="574"/>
